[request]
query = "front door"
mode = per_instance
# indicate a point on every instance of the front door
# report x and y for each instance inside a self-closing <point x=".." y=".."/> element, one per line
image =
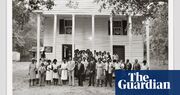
<point x="66" y="51"/>
<point x="120" y="51"/>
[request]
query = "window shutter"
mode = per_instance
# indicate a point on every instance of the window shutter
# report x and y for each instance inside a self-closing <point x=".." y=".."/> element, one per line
<point x="61" y="26"/>
<point x="124" y="24"/>
<point x="108" y="27"/>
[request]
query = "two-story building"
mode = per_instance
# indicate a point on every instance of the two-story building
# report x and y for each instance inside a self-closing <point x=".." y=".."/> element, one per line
<point x="84" y="27"/>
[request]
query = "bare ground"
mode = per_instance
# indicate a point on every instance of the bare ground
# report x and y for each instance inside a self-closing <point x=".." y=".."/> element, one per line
<point x="21" y="86"/>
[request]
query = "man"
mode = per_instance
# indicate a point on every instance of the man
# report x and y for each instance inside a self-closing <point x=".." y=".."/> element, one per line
<point x="80" y="72"/>
<point x="91" y="68"/>
<point x="108" y="72"/>
<point x="71" y="66"/>
<point x="128" y="65"/>
<point x="136" y="65"/>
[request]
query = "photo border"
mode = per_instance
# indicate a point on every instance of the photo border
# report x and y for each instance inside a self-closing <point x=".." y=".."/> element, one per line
<point x="9" y="43"/>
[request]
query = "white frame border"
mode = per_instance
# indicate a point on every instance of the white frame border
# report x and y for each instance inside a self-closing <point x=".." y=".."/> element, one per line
<point x="9" y="43"/>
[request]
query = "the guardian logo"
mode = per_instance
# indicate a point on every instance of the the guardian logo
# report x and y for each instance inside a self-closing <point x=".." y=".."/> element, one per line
<point x="138" y="81"/>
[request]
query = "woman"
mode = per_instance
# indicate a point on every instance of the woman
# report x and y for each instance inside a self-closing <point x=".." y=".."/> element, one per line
<point x="55" y="72"/>
<point x="144" y="65"/>
<point x="64" y="72"/>
<point x="117" y="65"/>
<point x="32" y="72"/>
<point x="49" y="72"/>
<point x="99" y="68"/>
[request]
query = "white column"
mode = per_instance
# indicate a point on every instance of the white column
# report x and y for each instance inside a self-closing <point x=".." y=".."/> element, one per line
<point x="54" y="35"/>
<point x="38" y="37"/>
<point x="130" y="37"/>
<point x="73" y="35"/>
<point x="111" y="36"/>
<point x="93" y="30"/>
<point x="147" y="42"/>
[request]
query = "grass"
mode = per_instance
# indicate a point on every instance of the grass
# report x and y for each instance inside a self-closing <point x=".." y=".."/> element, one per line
<point x="21" y="86"/>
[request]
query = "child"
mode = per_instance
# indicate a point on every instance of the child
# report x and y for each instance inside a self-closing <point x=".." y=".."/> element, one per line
<point x="42" y="71"/>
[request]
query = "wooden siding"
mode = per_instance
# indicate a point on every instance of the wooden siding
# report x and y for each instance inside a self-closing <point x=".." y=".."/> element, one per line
<point x="84" y="7"/>
<point x="83" y="32"/>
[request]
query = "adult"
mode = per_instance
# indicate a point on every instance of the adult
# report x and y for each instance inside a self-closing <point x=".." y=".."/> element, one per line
<point x="136" y="65"/>
<point x="85" y="63"/>
<point x="128" y="65"/>
<point x="144" y="65"/>
<point x="32" y="72"/>
<point x="71" y="66"/>
<point x="117" y="65"/>
<point x="43" y="55"/>
<point x="49" y="72"/>
<point x="80" y="72"/>
<point x="64" y="72"/>
<point x="122" y="65"/>
<point x="91" y="69"/>
<point x="99" y="68"/>
<point x="108" y="72"/>
<point x="55" y="72"/>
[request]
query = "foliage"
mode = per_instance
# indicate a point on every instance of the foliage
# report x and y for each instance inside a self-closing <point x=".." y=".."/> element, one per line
<point x="126" y="7"/>
<point x="159" y="34"/>
<point x="155" y="10"/>
<point x="24" y="23"/>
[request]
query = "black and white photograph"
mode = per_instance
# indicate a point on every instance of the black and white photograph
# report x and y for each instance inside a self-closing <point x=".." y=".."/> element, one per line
<point x="74" y="47"/>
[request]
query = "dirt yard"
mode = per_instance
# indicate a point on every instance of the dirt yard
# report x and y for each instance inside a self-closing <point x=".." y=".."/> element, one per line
<point x="21" y="86"/>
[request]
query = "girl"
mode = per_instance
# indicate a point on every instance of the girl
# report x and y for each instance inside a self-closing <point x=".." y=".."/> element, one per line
<point x="49" y="72"/>
<point x="55" y="72"/>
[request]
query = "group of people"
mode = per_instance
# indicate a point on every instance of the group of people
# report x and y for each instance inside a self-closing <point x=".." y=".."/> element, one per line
<point x="98" y="69"/>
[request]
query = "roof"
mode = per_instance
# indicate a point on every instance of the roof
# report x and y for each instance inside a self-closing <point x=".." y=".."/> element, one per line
<point x="80" y="7"/>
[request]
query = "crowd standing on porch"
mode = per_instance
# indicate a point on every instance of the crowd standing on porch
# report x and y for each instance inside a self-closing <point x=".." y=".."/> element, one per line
<point x="97" y="68"/>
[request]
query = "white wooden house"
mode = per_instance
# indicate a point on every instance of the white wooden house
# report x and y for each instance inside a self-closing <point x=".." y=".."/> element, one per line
<point x="84" y="27"/>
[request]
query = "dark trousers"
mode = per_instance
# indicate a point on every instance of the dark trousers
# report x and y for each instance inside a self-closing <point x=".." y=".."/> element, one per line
<point x="91" y="79"/>
<point x="42" y="79"/>
<point x="108" y="79"/>
<point x="80" y="80"/>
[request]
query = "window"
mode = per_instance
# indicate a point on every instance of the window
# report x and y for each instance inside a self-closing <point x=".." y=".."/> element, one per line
<point x="65" y="26"/>
<point x="119" y="27"/>
<point x="48" y="49"/>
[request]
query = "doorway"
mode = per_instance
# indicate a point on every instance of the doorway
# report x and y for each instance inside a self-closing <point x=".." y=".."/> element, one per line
<point x="66" y="51"/>
<point x="120" y="51"/>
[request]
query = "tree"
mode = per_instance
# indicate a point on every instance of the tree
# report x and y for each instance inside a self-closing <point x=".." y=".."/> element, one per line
<point x="24" y="23"/>
<point x="159" y="35"/>
<point x="155" y="10"/>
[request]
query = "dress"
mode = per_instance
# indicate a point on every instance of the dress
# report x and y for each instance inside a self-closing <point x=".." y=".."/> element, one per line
<point x="64" y="71"/>
<point x="117" y="66"/>
<point x="99" y="67"/>
<point x="144" y="67"/>
<point x="49" y="73"/>
<point x="32" y="72"/>
<point x="55" y="71"/>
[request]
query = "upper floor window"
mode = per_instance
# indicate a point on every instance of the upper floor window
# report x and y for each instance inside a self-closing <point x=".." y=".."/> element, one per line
<point x="65" y="26"/>
<point x="119" y="27"/>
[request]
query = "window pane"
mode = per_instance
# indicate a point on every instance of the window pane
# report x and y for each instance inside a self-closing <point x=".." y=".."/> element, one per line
<point x="68" y="30"/>
<point x="68" y="22"/>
